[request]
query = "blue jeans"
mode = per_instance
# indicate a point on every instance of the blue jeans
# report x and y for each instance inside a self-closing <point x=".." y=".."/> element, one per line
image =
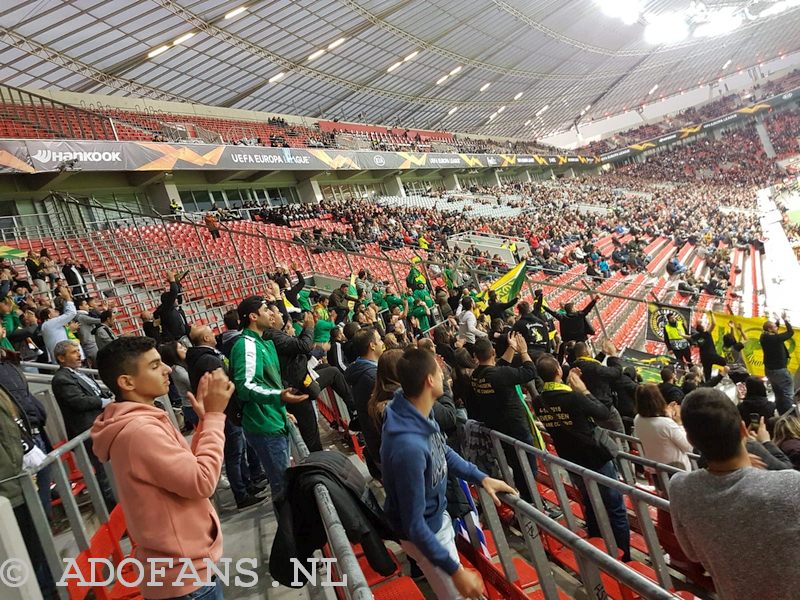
<point x="190" y="418"/>
<point x="783" y="386"/>
<point x="44" y="478"/>
<point x="207" y="592"/>
<point x="615" y="509"/>
<point x="273" y="452"/>
<point x="241" y="466"/>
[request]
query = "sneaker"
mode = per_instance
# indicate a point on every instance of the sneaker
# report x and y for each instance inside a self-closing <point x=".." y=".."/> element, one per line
<point x="415" y="572"/>
<point x="248" y="501"/>
<point x="223" y="483"/>
<point x="258" y="485"/>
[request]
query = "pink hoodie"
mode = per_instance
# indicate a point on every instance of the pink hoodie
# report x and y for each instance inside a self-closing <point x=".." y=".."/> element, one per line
<point x="164" y="487"/>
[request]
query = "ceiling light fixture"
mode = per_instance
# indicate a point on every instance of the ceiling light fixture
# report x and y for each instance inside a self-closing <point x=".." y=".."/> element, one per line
<point x="337" y="43"/>
<point x="277" y="77"/>
<point x="518" y="96"/>
<point x="155" y="52"/>
<point x="455" y="71"/>
<point x="316" y="54"/>
<point x="452" y="110"/>
<point x="183" y="38"/>
<point x="720" y="22"/>
<point x="492" y="116"/>
<point x="411" y="56"/>
<point x="485" y="87"/>
<point x="540" y="112"/>
<point x="627" y="11"/>
<point x="652" y="89"/>
<point x="393" y="67"/>
<point x="528" y="122"/>
<point x="441" y="80"/>
<point x="501" y="109"/>
<point x="235" y="12"/>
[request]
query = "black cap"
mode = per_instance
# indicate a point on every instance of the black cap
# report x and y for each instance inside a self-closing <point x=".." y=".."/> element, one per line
<point x="251" y="304"/>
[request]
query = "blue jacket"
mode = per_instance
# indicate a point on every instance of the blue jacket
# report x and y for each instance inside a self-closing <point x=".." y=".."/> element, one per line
<point x="415" y="461"/>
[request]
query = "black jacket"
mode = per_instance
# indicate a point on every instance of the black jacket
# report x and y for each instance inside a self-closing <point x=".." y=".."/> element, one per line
<point x="79" y="402"/>
<point x="625" y="389"/>
<point x="496" y="310"/>
<point x="535" y="331"/>
<point x="600" y="378"/>
<point x="360" y="376"/>
<point x="671" y="392"/>
<point x="756" y="404"/>
<point x="204" y="359"/>
<point x="569" y="418"/>
<point x="300" y="528"/>
<point x="173" y="321"/>
<point x="494" y="399"/>
<point x="776" y="356"/>
<point x="13" y="381"/>
<point x="574" y="325"/>
<point x="293" y="353"/>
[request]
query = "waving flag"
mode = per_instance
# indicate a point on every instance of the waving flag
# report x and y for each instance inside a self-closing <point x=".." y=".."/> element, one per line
<point x="507" y="287"/>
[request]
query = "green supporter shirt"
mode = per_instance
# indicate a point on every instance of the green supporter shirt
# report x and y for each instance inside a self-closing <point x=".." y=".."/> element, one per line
<point x="422" y="316"/>
<point x="379" y="299"/>
<point x="393" y="300"/>
<point x="425" y="296"/>
<point x="302" y="299"/>
<point x="256" y="373"/>
<point x="322" y="331"/>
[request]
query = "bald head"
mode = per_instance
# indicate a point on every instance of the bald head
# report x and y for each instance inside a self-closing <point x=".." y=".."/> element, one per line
<point x="202" y="335"/>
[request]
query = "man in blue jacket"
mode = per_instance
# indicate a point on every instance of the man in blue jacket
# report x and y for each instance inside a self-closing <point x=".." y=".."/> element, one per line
<point x="415" y="461"/>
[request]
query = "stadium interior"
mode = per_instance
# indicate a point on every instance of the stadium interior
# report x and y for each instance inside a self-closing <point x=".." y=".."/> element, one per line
<point x="607" y="191"/>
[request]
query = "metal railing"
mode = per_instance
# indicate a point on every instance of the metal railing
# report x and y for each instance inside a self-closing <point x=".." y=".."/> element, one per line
<point x="37" y="116"/>
<point x="555" y="467"/>
<point x="346" y="561"/>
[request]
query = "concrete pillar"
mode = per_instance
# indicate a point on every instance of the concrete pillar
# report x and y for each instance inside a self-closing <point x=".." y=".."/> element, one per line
<point x="394" y="186"/>
<point x="495" y="178"/>
<point x="763" y="136"/>
<point x="161" y="195"/>
<point x="451" y="183"/>
<point x="309" y="191"/>
<point x="571" y="173"/>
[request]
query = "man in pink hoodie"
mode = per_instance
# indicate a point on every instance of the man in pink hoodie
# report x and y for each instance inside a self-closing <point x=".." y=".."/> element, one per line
<point x="163" y="484"/>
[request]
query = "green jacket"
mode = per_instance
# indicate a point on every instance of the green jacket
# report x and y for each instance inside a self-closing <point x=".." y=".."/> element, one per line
<point x="10" y="452"/>
<point x="256" y="373"/>
<point x="379" y="299"/>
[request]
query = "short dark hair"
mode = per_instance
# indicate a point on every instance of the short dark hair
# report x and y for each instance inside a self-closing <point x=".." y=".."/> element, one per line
<point x="580" y="349"/>
<point x="362" y="339"/>
<point x="524" y="307"/>
<point x="350" y="329"/>
<point x="104" y="316"/>
<point x="119" y="357"/>
<point x="413" y="369"/>
<point x="547" y="367"/>
<point x="231" y="319"/>
<point x="667" y="373"/>
<point x="650" y="402"/>
<point x="483" y="349"/>
<point x="712" y="423"/>
<point x="43" y="314"/>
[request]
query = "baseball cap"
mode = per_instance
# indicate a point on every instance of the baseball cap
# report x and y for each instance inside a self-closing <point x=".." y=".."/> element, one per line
<point x="249" y="305"/>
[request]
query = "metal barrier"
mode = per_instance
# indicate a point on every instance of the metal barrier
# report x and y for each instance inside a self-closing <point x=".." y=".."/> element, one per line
<point x="640" y="499"/>
<point x="346" y="561"/>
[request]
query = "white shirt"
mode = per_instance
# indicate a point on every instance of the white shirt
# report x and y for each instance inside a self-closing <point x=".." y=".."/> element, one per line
<point x="663" y="440"/>
<point x="467" y="327"/>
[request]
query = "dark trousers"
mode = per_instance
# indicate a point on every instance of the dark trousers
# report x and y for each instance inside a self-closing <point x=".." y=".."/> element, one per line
<point x="614" y="504"/>
<point x="683" y="356"/>
<point x="333" y="377"/>
<point x="307" y="423"/>
<point x="241" y="463"/>
<point x="709" y="361"/>
<point x="44" y="477"/>
<point x="100" y="475"/>
<point x="39" y="561"/>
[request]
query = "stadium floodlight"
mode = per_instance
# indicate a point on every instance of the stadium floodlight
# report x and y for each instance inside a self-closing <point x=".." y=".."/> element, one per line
<point x="588" y="106"/>
<point x="235" y="12"/>
<point x="456" y="71"/>
<point x="720" y="22"/>
<point x="518" y="96"/>
<point x="452" y="110"/>
<point x="501" y="109"/>
<point x="441" y="80"/>
<point x="627" y="11"/>
<point x="528" y="122"/>
<point x="666" y="28"/>
<point x="393" y="67"/>
<point x="156" y="51"/>
<point x="411" y="56"/>
<point x="727" y="64"/>
<point x="485" y="87"/>
<point x="540" y="112"/>
<point x="492" y="116"/>
<point x="337" y="43"/>
<point x="277" y="77"/>
<point x="317" y="54"/>
<point x="652" y="89"/>
<point x="183" y="38"/>
<point x="777" y="8"/>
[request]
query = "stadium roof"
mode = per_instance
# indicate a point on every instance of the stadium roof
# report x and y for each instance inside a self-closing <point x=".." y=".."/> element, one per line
<point x="537" y="66"/>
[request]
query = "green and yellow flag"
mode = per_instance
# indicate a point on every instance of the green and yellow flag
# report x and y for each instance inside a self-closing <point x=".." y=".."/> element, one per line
<point x="507" y="287"/>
